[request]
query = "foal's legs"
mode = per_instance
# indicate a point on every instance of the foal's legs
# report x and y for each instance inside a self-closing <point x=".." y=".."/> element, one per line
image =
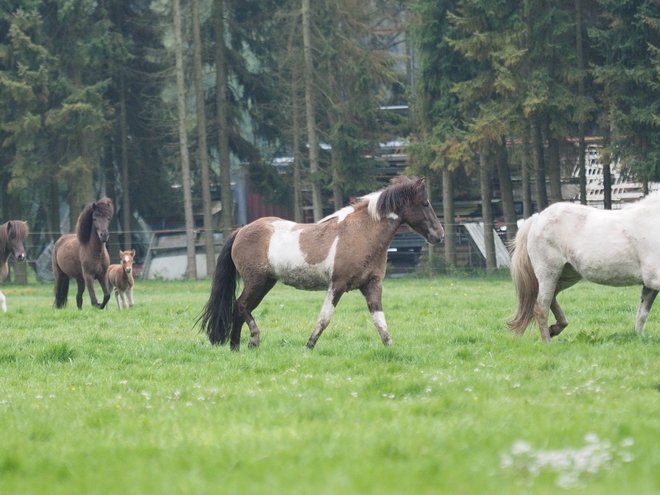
<point x="648" y="296"/>
<point x="332" y="298"/>
<point x="252" y="295"/>
<point x="373" y="294"/>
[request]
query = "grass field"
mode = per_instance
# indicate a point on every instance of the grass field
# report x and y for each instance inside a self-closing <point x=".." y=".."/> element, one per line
<point x="137" y="402"/>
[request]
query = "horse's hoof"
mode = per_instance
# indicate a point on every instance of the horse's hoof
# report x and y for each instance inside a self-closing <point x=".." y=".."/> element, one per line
<point x="252" y="345"/>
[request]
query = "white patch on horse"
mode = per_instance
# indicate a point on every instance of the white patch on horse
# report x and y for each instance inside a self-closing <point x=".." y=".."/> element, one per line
<point x="373" y="205"/>
<point x="288" y="263"/>
<point x="340" y="215"/>
<point x="127" y="258"/>
<point x="393" y="216"/>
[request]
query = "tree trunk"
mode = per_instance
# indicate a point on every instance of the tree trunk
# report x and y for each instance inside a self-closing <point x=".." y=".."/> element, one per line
<point x="554" y="166"/>
<point x="582" y="148"/>
<point x="337" y="191"/>
<point x="297" y="154"/>
<point x="539" y="165"/>
<point x="125" y="183"/>
<point x="506" y="190"/>
<point x="312" y="140"/>
<point x="487" y="212"/>
<point x="526" y="179"/>
<point x="449" y="216"/>
<point x="191" y="268"/>
<point x="201" y="142"/>
<point x="226" y="196"/>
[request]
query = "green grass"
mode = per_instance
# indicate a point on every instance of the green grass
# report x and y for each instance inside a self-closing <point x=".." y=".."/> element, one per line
<point x="138" y="402"/>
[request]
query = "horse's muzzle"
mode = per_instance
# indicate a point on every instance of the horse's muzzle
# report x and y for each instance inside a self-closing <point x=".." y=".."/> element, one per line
<point x="20" y="257"/>
<point x="103" y="236"/>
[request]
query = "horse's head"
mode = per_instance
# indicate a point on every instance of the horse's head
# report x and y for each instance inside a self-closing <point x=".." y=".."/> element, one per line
<point x="95" y="217"/>
<point x="127" y="260"/>
<point x="17" y="231"/>
<point x="409" y="199"/>
<point x="101" y="225"/>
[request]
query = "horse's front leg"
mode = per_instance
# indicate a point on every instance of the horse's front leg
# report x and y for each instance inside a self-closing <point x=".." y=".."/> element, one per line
<point x="105" y="286"/>
<point x="373" y="293"/>
<point x="81" y="291"/>
<point x="645" y="303"/>
<point x="331" y="299"/>
<point x="3" y="302"/>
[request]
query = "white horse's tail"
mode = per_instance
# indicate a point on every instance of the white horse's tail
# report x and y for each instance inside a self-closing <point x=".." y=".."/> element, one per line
<point x="524" y="280"/>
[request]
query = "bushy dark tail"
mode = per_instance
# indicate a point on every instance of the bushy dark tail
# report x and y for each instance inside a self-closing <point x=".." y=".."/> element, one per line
<point x="61" y="283"/>
<point x="217" y="317"/>
<point x="524" y="280"/>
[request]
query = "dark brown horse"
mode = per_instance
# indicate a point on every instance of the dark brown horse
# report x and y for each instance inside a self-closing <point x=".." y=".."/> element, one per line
<point x="345" y="251"/>
<point x="12" y="235"/>
<point x="83" y="255"/>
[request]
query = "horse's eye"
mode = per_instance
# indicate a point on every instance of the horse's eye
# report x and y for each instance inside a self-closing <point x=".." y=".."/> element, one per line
<point x="425" y="204"/>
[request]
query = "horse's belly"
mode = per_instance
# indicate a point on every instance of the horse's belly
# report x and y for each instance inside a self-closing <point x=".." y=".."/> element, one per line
<point x="305" y="277"/>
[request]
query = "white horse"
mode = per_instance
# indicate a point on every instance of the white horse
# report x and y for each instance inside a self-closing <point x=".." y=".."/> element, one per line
<point x="568" y="242"/>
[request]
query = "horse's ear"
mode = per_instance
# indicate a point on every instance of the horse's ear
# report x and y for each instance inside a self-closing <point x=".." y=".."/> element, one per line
<point x="132" y="253"/>
<point x="121" y="253"/>
<point x="420" y="183"/>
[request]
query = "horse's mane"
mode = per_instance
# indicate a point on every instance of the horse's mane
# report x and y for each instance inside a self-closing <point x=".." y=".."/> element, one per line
<point x="402" y="191"/>
<point x="13" y="229"/>
<point x="86" y="219"/>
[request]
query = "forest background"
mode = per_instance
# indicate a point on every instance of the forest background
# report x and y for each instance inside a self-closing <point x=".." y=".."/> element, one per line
<point x="162" y="104"/>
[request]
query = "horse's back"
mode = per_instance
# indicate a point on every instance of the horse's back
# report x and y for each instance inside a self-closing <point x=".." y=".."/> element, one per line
<point x="602" y="246"/>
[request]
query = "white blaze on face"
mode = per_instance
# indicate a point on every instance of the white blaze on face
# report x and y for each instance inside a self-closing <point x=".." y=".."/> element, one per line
<point x="127" y="258"/>
<point x="288" y="262"/>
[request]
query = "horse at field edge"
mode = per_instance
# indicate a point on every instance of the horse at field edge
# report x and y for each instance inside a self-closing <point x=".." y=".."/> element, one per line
<point x="121" y="279"/>
<point x="12" y="235"/>
<point x="567" y="242"/>
<point x="84" y="256"/>
<point x="345" y="251"/>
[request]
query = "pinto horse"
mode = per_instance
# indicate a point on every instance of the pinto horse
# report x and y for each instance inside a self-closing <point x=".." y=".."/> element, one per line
<point x="568" y="242"/>
<point x="83" y="255"/>
<point x="12" y="235"/>
<point x="121" y="278"/>
<point x="345" y="251"/>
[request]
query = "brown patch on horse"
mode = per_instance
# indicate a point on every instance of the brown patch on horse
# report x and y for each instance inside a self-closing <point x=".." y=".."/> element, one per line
<point x="315" y="243"/>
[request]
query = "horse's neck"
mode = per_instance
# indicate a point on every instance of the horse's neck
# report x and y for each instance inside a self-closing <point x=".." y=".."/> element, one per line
<point x="384" y="229"/>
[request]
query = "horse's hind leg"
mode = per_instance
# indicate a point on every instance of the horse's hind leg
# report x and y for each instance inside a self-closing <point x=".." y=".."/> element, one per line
<point x="561" y="322"/>
<point x="544" y="301"/>
<point x="3" y="302"/>
<point x="331" y="300"/>
<point x="252" y="295"/>
<point x="645" y="303"/>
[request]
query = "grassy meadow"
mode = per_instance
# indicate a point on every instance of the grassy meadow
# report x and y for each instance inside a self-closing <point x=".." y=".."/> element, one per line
<point x="138" y="402"/>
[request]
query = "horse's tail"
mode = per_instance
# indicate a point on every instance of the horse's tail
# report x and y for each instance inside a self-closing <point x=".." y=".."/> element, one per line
<point x="217" y="318"/>
<point x="61" y="282"/>
<point x="524" y="280"/>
